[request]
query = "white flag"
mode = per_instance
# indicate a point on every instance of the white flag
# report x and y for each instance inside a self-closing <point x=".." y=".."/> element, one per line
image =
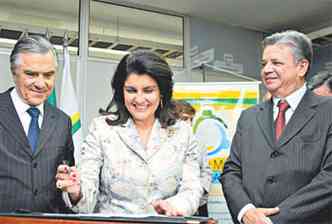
<point x="68" y="101"/>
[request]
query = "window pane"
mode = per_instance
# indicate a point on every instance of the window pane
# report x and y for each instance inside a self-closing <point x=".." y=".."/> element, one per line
<point x="116" y="30"/>
<point x="39" y="17"/>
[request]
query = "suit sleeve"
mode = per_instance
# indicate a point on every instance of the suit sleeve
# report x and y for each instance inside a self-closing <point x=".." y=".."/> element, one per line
<point x="205" y="173"/>
<point x="205" y="168"/>
<point x="69" y="157"/>
<point x="89" y="163"/>
<point x="70" y="145"/>
<point x="314" y="197"/>
<point x="190" y="190"/>
<point x="234" y="191"/>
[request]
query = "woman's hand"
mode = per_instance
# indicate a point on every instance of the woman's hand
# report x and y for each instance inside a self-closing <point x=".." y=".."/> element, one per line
<point x="68" y="180"/>
<point x="164" y="208"/>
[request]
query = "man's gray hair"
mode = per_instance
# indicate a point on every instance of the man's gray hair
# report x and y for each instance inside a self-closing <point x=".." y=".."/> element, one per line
<point x="321" y="78"/>
<point x="31" y="44"/>
<point x="299" y="43"/>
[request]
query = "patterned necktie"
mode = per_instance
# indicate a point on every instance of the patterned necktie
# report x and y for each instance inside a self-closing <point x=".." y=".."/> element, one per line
<point x="280" y="121"/>
<point x="34" y="130"/>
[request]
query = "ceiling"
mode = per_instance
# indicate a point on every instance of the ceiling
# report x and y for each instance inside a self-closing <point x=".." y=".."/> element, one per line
<point x="261" y="15"/>
<point x="312" y="17"/>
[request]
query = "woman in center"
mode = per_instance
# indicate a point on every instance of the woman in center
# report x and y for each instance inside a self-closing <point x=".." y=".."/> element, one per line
<point x="137" y="158"/>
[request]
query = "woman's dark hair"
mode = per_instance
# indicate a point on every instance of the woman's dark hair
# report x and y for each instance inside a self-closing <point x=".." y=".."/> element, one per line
<point x="183" y="110"/>
<point x="141" y="63"/>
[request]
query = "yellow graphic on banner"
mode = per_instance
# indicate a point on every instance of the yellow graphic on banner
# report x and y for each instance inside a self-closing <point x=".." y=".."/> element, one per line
<point x="229" y="94"/>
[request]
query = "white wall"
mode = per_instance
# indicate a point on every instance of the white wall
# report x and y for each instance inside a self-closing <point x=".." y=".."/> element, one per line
<point x="243" y="44"/>
<point x="98" y="92"/>
<point x="6" y="80"/>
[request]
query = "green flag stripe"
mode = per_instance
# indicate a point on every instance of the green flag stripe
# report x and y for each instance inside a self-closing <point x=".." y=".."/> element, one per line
<point x="75" y="127"/>
<point x="52" y="98"/>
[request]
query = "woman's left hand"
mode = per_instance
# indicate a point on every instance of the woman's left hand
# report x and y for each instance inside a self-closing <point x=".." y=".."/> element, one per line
<point x="164" y="208"/>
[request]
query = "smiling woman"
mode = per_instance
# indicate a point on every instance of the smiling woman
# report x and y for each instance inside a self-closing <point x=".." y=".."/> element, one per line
<point x="142" y="98"/>
<point x="142" y="66"/>
<point x="137" y="158"/>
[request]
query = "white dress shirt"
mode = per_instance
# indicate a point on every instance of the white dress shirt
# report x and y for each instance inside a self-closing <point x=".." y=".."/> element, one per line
<point x="293" y="101"/>
<point x="21" y="109"/>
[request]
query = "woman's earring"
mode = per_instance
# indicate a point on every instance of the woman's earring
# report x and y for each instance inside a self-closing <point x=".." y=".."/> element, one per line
<point x="161" y="103"/>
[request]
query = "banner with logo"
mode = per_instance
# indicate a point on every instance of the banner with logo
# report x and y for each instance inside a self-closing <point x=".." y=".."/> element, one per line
<point x="218" y="107"/>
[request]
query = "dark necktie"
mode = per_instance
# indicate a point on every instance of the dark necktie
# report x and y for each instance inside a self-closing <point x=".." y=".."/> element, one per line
<point x="33" y="132"/>
<point x="280" y="121"/>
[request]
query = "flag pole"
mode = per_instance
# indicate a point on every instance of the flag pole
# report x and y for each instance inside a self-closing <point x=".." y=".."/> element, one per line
<point x="65" y="39"/>
<point x="51" y="98"/>
<point x="68" y="102"/>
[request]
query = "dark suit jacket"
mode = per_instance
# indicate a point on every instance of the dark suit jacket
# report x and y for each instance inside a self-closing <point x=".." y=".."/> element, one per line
<point x="294" y="173"/>
<point x="27" y="181"/>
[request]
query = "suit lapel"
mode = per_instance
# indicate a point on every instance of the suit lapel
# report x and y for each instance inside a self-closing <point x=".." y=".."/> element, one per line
<point x="128" y="136"/>
<point x="158" y="138"/>
<point x="265" y="121"/>
<point x="303" y="113"/>
<point x="11" y="121"/>
<point x="48" y="127"/>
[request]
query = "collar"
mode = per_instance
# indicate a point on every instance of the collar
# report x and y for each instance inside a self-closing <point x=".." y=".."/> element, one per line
<point x="20" y="106"/>
<point x="130" y="124"/>
<point x="293" y="99"/>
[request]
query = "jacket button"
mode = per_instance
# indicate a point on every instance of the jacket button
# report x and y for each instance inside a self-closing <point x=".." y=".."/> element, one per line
<point x="271" y="180"/>
<point x="274" y="154"/>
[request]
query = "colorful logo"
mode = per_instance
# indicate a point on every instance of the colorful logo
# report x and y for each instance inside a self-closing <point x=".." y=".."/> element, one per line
<point x="212" y="132"/>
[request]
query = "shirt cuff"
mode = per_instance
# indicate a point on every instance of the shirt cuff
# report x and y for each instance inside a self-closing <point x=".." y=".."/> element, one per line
<point x="66" y="199"/>
<point x="243" y="211"/>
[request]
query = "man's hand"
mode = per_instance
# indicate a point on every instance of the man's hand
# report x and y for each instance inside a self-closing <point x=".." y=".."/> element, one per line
<point x="163" y="207"/>
<point x="259" y="215"/>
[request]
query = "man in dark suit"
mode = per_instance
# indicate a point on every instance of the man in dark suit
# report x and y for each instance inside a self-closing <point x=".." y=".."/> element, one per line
<point x="280" y="164"/>
<point x="35" y="137"/>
